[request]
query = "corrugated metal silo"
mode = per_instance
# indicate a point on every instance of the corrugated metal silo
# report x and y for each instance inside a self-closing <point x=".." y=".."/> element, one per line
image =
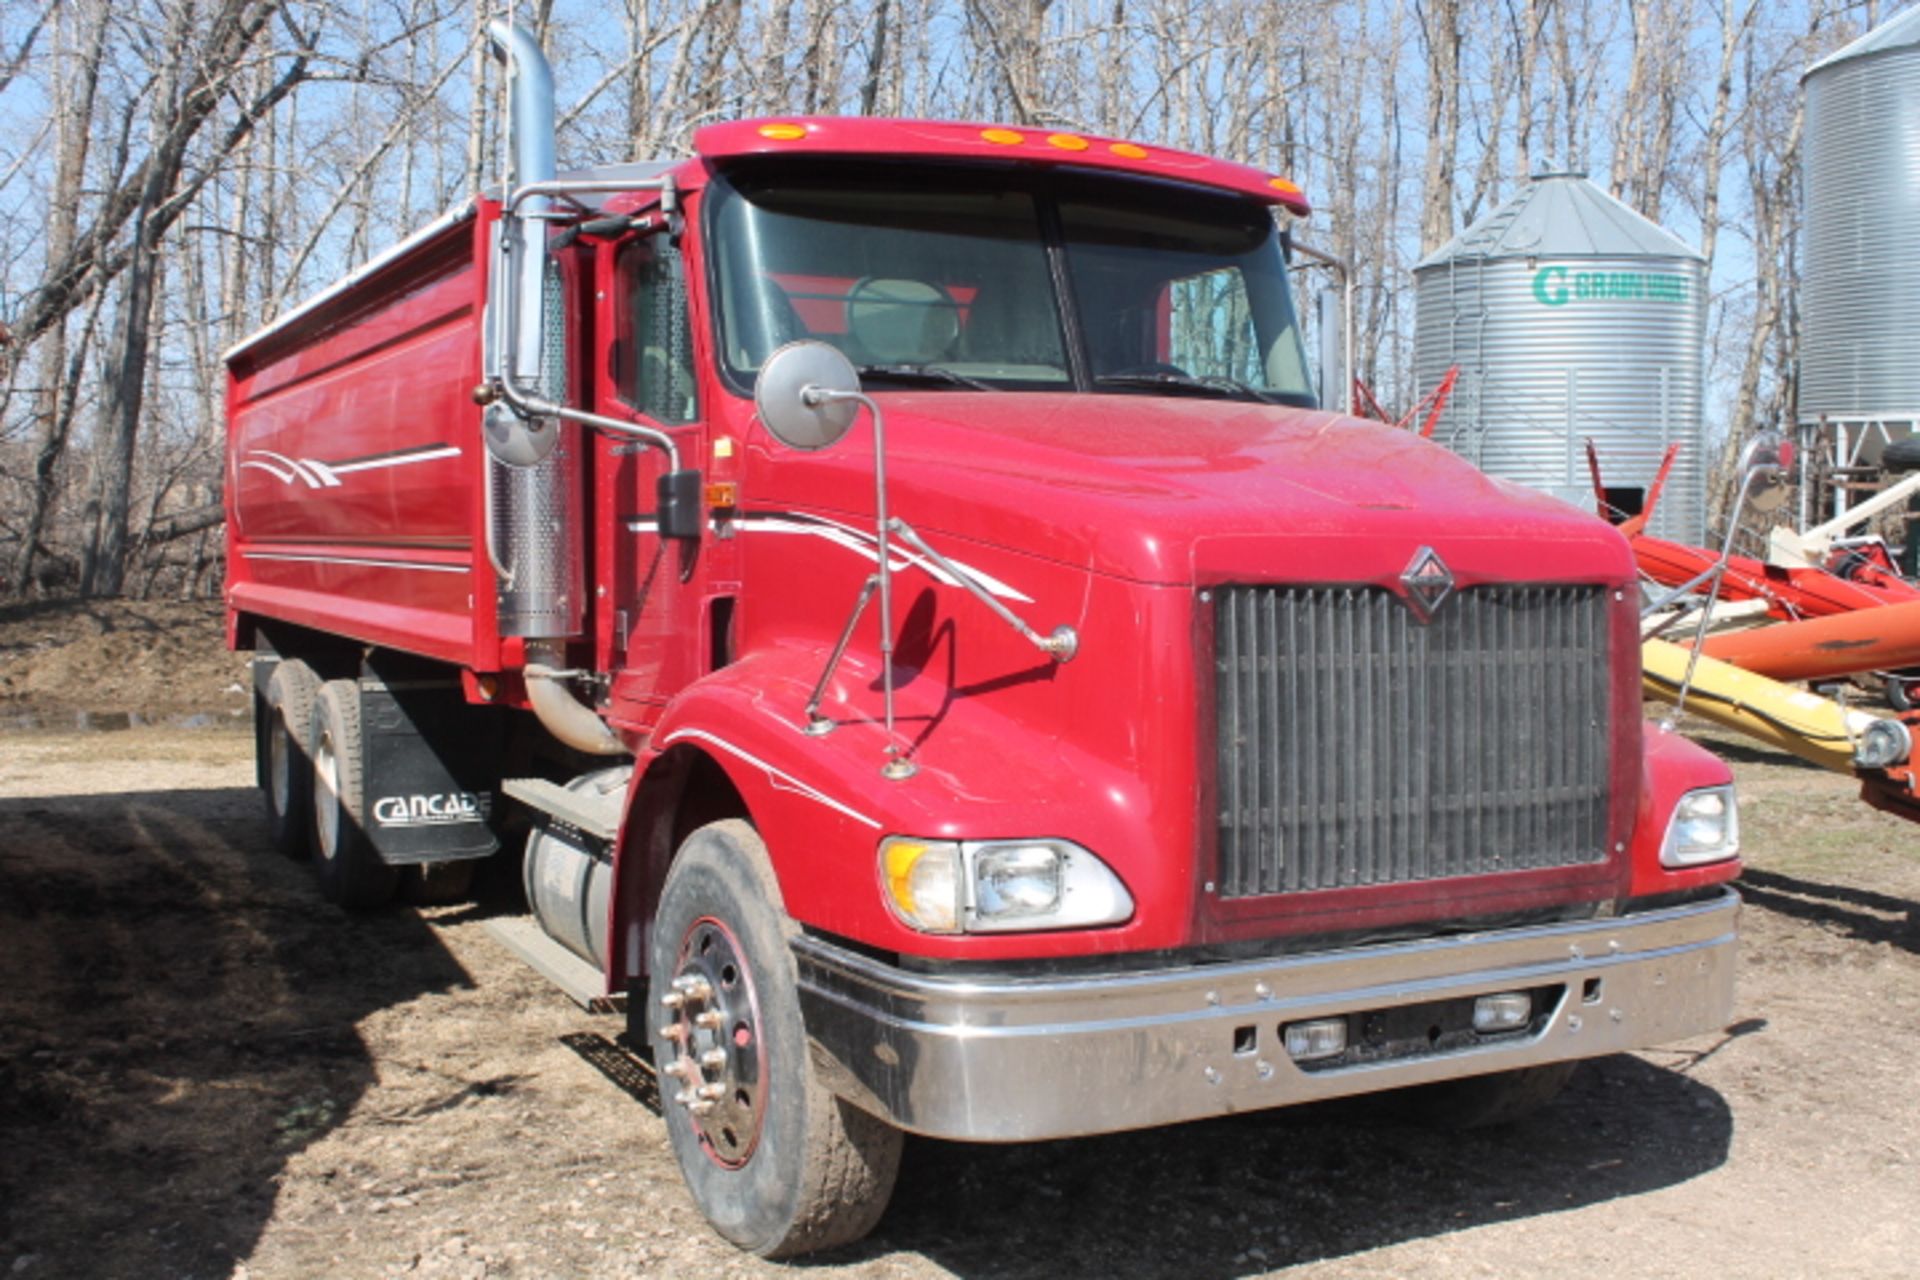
<point x="1860" y="278"/>
<point x="1570" y="317"/>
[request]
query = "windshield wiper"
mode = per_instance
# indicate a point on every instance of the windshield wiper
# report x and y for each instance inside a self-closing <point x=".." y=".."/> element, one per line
<point x="923" y="373"/>
<point x="1213" y="384"/>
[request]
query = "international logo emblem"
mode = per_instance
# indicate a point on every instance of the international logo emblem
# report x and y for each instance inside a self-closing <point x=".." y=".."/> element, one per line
<point x="1428" y="582"/>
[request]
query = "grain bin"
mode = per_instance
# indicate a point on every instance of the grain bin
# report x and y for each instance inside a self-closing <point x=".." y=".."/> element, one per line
<point x="1571" y="317"/>
<point x="1860" y="273"/>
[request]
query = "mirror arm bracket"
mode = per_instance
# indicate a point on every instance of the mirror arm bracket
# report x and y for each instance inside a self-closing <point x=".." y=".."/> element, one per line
<point x="798" y="390"/>
<point x="818" y="725"/>
<point x="1061" y="646"/>
<point x="534" y="407"/>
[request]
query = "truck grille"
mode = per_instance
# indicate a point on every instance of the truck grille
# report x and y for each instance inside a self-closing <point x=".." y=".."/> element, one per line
<point x="1359" y="747"/>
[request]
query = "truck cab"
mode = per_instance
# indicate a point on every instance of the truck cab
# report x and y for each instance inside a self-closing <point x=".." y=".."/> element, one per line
<point x="954" y="677"/>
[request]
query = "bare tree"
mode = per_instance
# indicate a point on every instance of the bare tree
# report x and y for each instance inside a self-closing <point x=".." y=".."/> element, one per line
<point x="193" y="78"/>
<point x="79" y="40"/>
<point x="1440" y="37"/>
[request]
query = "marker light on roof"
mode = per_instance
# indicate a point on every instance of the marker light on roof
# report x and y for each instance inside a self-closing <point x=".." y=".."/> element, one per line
<point x="1004" y="137"/>
<point x="1283" y="186"/>
<point x="1129" y="150"/>
<point x="1067" y="141"/>
<point x="782" y="132"/>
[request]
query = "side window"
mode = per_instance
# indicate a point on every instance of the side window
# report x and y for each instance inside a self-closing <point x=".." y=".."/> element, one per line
<point x="654" y="359"/>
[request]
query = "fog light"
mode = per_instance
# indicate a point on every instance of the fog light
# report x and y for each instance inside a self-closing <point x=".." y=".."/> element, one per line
<point x="1321" y="1038"/>
<point x="1508" y="1011"/>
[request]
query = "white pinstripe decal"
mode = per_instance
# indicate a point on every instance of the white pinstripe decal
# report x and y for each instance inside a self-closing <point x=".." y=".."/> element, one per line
<point x="864" y="544"/>
<point x="778" y="777"/>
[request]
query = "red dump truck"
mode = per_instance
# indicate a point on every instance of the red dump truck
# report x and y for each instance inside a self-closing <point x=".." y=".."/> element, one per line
<point x="891" y="583"/>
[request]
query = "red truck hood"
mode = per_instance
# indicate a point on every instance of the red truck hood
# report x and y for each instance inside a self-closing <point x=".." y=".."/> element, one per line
<point x="1173" y="490"/>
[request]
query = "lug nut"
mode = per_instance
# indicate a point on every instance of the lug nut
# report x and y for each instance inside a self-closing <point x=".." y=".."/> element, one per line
<point x="684" y="1097"/>
<point x="672" y="1000"/>
<point x="700" y="1108"/>
<point x="675" y="1031"/>
<point x="709" y="1019"/>
<point x="693" y="986"/>
<point x="714" y="1058"/>
<point x="711" y="1091"/>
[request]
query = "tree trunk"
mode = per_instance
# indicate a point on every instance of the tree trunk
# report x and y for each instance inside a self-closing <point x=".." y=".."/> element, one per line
<point x="75" y="83"/>
<point x="1440" y="31"/>
<point x="103" y="572"/>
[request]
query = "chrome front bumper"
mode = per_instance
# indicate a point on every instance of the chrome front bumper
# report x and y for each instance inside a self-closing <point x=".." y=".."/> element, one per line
<point x="1011" y="1059"/>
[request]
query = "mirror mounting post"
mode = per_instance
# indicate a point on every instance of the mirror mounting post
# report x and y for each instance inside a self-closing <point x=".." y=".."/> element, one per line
<point x="1764" y="462"/>
<point x="1344" y="273"/>
<point x="814" y="396"/>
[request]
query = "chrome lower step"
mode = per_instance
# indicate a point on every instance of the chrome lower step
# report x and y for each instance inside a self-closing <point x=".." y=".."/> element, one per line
<point x="583" y="984"/>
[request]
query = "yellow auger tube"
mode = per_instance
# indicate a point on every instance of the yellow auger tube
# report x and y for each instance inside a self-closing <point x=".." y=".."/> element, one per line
<point x="1812" y="727"/>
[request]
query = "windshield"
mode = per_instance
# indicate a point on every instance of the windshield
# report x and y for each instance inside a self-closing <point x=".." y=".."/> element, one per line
<point x="1036" y="282"/>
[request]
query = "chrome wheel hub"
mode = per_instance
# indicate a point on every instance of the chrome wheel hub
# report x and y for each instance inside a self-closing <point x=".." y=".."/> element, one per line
<point x="326" y="796"/>
<point x="279" y="766"/>
<point x="711" y="1065"/>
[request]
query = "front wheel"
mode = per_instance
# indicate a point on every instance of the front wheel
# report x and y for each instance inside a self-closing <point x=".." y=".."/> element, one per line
<point x="778" y="1165"/>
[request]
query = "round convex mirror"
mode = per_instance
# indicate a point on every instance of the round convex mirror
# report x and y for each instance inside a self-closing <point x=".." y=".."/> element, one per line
<point x="778" y="394"/>
<point x="516" y="441"/>
<point x="1768" y="458"/>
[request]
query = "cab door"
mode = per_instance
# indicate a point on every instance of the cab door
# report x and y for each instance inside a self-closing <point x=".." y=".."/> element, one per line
<point x="649" y="623"/>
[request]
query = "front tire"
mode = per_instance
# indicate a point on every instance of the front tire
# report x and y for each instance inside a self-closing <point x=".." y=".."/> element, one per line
<point x="350" y="869"/>
<point x="286" y="756"/>
<point x="778" y="1165"/>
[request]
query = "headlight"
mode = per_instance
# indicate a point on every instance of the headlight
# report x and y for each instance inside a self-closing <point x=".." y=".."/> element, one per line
<point x="999" y="886"/>
<point x="1705" y="828"/>
<point x="922" y="883"/>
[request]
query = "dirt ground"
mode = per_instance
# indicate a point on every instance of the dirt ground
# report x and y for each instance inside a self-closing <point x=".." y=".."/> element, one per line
<point x="116" y="664"/>
<point x="205" y="1072"/>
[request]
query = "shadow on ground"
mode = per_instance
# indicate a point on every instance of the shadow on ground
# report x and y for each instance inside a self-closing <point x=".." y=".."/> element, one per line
<point x="1858" y="913"/>
<point x="1744" y="751"/>
<point x="1257" y="1193"/>
<point x="178" y="1019"/>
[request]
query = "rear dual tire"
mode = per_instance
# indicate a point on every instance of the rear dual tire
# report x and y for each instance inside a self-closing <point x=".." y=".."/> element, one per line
<point x="350" y="870"/>
<point x="286" y="752"/>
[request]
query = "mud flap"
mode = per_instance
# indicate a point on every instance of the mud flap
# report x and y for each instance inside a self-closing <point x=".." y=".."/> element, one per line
<point x="432" y="764"/>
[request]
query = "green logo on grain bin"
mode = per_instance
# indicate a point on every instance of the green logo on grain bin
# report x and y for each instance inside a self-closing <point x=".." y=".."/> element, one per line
<point x="1557" y="286"/>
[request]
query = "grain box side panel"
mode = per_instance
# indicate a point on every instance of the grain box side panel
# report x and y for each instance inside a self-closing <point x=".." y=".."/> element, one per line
<point x="354" y="460"/>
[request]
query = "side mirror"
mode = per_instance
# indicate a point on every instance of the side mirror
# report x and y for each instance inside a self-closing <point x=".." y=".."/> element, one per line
<point x="1765" y="465"/>
<point x="678" y="508"/>
<point x="517" y="441"/>
<point x="785" y="395"/>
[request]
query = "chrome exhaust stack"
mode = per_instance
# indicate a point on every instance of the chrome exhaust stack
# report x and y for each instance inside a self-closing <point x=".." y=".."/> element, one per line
<point x="532" y="527"/>
<point x="532" y="478"/>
